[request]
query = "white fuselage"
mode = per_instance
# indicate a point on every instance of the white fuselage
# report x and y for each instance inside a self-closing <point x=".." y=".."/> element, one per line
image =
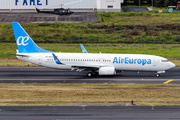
<point x="134" y="62"/>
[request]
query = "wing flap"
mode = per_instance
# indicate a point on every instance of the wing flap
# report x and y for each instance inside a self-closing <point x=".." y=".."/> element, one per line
<point x="85" y="66"/>
<point x="80" y="68"/>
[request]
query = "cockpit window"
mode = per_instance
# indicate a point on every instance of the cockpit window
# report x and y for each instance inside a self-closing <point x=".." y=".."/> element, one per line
<point x="164" y="60"/>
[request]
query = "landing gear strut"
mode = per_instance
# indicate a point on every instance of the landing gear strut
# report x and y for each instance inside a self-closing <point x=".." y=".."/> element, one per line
<point x="159" y="72"/>
<point x="92" y="73"/>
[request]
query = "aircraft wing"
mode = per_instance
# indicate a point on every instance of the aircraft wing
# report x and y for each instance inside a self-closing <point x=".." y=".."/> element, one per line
<point x="80" y="68"/>
<point x="88" y="66"/>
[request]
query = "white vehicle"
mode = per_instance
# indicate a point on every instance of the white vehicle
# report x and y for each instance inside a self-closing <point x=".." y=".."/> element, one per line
<point x="101" y="64"/>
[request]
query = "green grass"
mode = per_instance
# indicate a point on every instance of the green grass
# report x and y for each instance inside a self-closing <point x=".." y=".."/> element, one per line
<point x="164" y="50"/>
<point x="126" y="33"/>
<point x="162" y="28"/>
<point x="64" y="94"/>
<point x="142" y="18"/>
<point x="159" y="8"/>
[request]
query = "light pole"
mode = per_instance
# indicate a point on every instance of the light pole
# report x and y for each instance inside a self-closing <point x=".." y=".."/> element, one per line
<point x="139" y="3"/>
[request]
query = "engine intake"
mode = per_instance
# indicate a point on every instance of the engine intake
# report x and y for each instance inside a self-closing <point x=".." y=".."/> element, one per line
<point x="107" y="71"/>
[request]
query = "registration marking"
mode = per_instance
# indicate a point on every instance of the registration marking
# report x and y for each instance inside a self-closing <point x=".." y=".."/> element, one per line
<point x="167" y="81"/>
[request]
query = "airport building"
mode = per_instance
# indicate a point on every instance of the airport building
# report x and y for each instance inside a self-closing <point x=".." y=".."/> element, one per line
<point x="78" y="5"/>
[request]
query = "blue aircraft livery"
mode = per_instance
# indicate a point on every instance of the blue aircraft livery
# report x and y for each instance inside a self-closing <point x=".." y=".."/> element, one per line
<point x="128" y="60"/>
<point x="31" y="2"/>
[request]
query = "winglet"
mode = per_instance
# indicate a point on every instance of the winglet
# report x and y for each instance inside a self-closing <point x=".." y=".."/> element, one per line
<point x="83" y="49"/>
<point x="56" y="59"/>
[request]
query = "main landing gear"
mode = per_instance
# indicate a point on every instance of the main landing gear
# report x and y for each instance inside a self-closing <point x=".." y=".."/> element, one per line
<point x="90" y="74"/>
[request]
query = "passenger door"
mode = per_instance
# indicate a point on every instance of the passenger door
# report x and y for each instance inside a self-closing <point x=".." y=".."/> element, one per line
<point x="39" y="60"/>
<point x="154" y="61"/>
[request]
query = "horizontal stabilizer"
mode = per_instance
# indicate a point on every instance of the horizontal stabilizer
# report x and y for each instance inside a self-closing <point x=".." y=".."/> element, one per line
<point x="21" y="55"/>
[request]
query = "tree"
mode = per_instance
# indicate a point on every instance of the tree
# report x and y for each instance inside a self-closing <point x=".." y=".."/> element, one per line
<point x="157" y="3"/>
<point x="166" y="3"/>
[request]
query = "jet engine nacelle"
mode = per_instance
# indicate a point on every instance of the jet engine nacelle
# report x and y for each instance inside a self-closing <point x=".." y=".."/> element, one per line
<point x="107" y="71"/>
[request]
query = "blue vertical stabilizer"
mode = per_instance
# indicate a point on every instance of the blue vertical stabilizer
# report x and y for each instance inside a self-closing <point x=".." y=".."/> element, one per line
<point x="24" y="42"/>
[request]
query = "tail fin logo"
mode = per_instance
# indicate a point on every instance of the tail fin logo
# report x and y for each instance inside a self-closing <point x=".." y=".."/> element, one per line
<point x="23" y="40"/>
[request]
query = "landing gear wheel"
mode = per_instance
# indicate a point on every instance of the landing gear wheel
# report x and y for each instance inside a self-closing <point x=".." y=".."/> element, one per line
<point x="89" y="74"/>
<point x="158" y="75"/>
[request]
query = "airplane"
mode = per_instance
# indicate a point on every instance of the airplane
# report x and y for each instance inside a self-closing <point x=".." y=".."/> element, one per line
<point x="101" y="64"/>
<point x="57" y="11"/>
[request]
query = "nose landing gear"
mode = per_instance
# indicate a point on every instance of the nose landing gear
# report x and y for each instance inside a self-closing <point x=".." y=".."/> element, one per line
<point x="158" y="75"/>
<point x="159" y="72"/>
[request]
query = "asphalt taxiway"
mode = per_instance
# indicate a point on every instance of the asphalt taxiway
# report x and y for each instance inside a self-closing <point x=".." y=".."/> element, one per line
<point x="46" y="75"/>
<point x="89" y="112"/>
<point x="41" y="17"/>
<point x="86" y="112"/>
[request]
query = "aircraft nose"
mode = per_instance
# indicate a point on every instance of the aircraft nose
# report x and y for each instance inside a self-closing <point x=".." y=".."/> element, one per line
<point x="171" y="65"/>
